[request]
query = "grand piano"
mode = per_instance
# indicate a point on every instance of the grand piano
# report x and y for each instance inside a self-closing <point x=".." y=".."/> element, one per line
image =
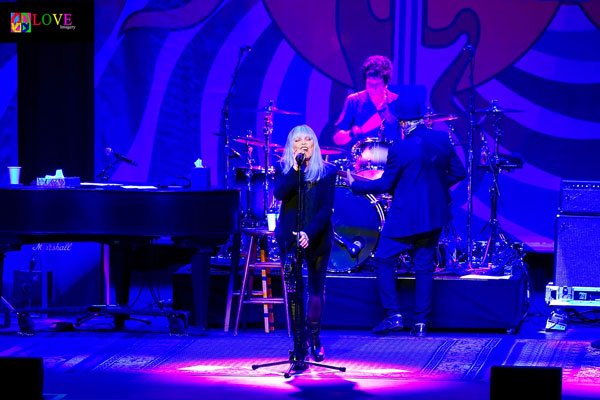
<point x="125" y="219"/>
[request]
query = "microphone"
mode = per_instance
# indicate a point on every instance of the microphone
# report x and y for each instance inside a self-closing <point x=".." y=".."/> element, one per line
<point x="469" y="49"/>
<point x="108" y="151"/>
<point x="234" y="153"/>
<point x="356" y="246"/>
<point x="300" y="158"/>
<point x="246" y="48"/>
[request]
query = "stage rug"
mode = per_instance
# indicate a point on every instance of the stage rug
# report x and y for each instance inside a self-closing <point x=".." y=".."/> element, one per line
<point x="219" y="354"/>
<point x="579" y="361"/>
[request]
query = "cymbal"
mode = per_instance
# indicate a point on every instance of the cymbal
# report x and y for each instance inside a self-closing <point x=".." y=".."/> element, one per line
<point x="495" y="108"/>
<point x="252" y="141"/>
<point x="439" y="117"/>
<point x="324" y="150"/>
<point x="271" y="109"/>
<point x="330" y="150"/>
<point x="253" y="168"/>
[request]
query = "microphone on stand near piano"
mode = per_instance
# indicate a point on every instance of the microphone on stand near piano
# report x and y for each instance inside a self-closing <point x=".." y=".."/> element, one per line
<point x="104" y="174"/>
<point x="120" y="157"/>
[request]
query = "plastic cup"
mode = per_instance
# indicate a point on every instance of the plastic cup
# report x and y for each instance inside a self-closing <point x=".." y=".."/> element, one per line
<point x="271" y="221"/>
<point x="14" y="174"/>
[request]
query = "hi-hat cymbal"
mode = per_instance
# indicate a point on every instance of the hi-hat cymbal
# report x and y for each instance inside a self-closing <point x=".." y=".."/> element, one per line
<point x="326" y="151"/>
<point x="252" y="141"/>
<point x="439" y="117"/>
<point x="271" y="109"/>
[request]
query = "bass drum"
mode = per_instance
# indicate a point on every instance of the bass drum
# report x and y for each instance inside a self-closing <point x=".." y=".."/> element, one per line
<point x="355" y="218"/>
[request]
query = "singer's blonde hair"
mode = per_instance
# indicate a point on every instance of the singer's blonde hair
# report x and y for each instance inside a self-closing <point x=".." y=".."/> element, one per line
<point x="315" y="169"/>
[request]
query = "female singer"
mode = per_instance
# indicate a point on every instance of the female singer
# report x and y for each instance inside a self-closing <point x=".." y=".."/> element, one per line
<point x="316" y="236"/>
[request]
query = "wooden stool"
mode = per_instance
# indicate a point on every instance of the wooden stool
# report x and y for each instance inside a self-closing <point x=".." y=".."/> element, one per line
<point x="246" y="293"/>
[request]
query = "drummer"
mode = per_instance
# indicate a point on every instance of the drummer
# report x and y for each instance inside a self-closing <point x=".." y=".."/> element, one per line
<point x="367" y="113"/>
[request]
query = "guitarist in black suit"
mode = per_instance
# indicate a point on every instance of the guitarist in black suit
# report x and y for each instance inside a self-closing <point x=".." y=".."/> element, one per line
<point x="316" y="236"/>
<point x="421" y="167"/>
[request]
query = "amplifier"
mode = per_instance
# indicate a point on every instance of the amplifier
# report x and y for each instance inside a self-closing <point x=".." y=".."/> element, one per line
<point x="569" y="296"/>
<point x="580" y="197"/>
<point x="577" y="251"/>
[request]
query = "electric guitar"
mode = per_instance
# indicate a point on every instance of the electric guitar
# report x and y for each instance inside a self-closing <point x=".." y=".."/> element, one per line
<point x="342" y="173"/>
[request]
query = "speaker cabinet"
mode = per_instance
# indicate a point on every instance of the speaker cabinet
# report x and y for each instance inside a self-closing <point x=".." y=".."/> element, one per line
<point x="516" y="383"/>
<point x="577" y="251"/>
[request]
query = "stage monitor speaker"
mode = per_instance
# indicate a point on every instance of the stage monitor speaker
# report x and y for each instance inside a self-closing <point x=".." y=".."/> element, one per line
<point x="24" y="376"/>
<point x="577" y="251"/>
<point x="516" y="383"/>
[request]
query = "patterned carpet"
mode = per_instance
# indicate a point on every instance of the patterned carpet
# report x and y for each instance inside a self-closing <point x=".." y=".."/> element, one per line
<point x="580" y="362"/>
<point x="219" y="354"/>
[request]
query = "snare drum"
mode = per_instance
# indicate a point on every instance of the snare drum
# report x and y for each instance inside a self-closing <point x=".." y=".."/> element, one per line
<point x="354" y="217"/>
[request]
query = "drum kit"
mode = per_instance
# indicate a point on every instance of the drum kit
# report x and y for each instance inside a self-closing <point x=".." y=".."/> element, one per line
<point x="355" y="239"/>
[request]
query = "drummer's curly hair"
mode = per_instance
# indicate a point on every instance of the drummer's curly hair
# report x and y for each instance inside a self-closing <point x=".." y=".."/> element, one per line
<point x="377" y="67"/>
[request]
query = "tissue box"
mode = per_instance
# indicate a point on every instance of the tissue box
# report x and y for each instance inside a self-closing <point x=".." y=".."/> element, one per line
<point x="58" y="182"/>
<point x="200" y="178"/>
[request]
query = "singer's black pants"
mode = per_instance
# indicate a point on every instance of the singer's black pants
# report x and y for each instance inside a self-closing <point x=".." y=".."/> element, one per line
<point x="317" y="269"/>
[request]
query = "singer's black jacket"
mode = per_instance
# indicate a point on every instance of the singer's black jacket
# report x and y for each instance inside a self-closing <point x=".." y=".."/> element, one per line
<point x="419" y="173"/>
<point x="318" y="209"/>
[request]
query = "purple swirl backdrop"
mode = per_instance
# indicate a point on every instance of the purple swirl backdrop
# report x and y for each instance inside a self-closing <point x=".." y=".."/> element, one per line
<point x="163" y="69"/>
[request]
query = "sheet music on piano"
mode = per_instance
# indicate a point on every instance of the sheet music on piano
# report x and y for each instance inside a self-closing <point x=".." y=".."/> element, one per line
<point x="118" y="185"/>
<point x="99" y="184"/>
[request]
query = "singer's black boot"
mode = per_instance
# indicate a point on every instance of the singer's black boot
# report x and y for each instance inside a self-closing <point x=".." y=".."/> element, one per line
<point x="314" y="343"/>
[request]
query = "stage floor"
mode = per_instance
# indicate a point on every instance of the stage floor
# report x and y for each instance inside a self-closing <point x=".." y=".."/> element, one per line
<point x="145" y="362"/>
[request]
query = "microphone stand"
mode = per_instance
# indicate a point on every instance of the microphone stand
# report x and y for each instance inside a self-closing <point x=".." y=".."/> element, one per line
<point x="295" y="288"/>
<point x="471" y="110"/>
<point x="103" y="175"/>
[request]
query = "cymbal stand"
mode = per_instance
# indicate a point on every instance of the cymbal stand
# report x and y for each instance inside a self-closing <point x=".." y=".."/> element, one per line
<point x="471" y="110"/>
<point x="249" y="173"/>
<point x="496" y="232"/>
<point x="451" y="134"/>
<point x="268" y="131"/>
<point x="224" y="129"/>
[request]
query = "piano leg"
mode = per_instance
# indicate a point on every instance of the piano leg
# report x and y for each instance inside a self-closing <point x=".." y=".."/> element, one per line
<point x="120" y="258"/>
<point x="5" y="306"/>
<point x="105" y="257"/>
<point x="233" y="272"/>
<point x="200" y="286"/>
<point x="2" y="255"/>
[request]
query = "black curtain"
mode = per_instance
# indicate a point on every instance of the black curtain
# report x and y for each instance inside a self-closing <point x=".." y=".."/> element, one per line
<point x="56" y="109"/>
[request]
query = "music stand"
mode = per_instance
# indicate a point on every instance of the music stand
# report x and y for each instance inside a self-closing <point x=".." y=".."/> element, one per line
<point x="295" y="288"/>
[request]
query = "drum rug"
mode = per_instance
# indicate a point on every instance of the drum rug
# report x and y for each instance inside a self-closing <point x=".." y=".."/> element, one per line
<point x="220" y="354"/>
<point x="579" y="361"/>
